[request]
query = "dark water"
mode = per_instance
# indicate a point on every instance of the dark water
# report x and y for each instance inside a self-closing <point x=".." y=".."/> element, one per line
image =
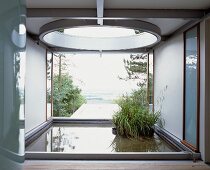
<point x="75" y="139"/>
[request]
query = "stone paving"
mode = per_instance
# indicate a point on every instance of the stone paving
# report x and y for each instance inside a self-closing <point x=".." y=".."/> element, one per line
<point x="95" y="111"/>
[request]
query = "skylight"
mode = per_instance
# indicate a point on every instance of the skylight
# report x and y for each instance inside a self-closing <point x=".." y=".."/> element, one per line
<point x="126" y="35"/>
<point x="100" y="31"/>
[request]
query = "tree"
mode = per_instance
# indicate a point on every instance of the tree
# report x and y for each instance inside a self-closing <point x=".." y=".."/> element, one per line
<point x="67" y="98"/>
<point x="136" y="68"/>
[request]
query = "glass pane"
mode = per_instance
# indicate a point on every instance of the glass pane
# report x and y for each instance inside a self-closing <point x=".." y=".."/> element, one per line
<point x="191" y="87"/>
<point x="49" y="85"/>
<point x="12" y="83"/>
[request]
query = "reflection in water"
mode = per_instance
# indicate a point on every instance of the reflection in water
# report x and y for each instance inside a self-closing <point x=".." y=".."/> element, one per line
<point x="62" y="141"/>
<point x="152" y="144"/>
<point x="93" y="140"/>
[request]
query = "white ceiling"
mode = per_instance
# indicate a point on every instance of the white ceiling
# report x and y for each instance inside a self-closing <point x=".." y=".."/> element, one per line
<point x="158" y="4"/>
<point x="34" y="24"/>
<point x="166" y="25"/>
<point x="61" y="3"/>
<point x="121" y="4"/>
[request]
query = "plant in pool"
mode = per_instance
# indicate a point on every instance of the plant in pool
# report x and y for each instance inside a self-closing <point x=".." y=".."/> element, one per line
<point x="134" y="119"/>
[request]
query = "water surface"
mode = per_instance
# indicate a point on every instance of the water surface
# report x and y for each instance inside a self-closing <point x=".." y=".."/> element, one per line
<point x="80" y="139"/>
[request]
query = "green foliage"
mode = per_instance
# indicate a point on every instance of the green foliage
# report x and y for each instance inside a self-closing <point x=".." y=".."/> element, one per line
<point x="61" y="30"/>
<point x="67" y="98"/>
<point x="134" y="118"/>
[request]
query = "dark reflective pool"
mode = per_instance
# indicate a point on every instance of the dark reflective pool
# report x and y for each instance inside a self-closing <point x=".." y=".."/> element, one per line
<point x="79" y="139"/>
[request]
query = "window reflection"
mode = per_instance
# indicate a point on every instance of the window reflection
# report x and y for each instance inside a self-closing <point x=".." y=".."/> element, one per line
<point x="49" y="84"/>
<point x="21" y="83"/>
<point x="191" y="85"/>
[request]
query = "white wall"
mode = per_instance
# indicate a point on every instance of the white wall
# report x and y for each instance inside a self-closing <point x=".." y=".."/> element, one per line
<point x="168" y="71"/>
<point x="35" y="86"/>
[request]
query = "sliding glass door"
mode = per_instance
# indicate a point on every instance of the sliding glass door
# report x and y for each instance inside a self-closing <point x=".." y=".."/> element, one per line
<point x="191" y="88"/>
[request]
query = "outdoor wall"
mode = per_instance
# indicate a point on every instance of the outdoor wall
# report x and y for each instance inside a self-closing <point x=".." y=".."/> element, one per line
<point x="168" y="83"/>
<point x="35" y="88"/>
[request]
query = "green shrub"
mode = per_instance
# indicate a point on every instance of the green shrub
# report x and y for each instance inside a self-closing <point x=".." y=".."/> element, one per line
<point x="67" y="97"/>
<point x="134" y="118"/>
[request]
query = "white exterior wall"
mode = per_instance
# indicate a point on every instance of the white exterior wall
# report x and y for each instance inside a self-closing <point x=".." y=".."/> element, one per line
<point x="168" y="71"/>
<point x="35" y="88"/>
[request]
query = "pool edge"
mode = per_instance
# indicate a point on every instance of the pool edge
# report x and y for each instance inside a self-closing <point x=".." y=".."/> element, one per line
<point x="183" y="154"/>
<point x="108" y="156"/>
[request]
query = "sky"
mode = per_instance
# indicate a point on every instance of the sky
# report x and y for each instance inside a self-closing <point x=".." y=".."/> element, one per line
<point x="99" y="73"/>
